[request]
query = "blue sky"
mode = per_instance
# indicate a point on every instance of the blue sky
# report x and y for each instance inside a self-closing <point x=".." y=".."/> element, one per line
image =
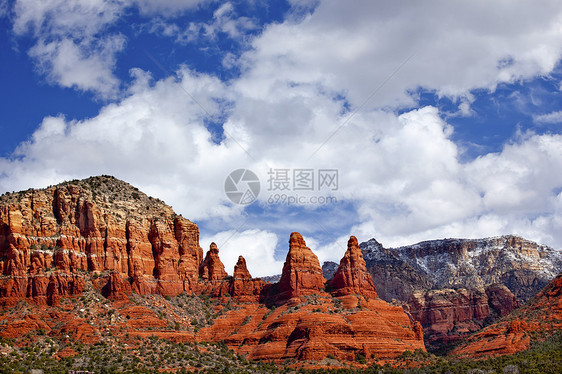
<point x="442" y="119"/>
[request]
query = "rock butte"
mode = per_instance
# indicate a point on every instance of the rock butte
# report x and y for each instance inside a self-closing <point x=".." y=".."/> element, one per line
<point x="103" y="232"/>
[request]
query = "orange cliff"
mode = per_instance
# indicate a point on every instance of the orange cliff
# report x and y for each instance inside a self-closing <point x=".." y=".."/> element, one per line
<point x="243" y="286"/>
<point x="56" y="235"/>
<point x="302" y="273"/>
<point x="449" y="315"/>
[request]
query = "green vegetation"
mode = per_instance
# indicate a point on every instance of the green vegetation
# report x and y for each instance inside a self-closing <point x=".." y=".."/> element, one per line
<point x="147" y="355"/>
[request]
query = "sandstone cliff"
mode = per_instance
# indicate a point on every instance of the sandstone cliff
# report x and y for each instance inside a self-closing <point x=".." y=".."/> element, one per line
<point x="243" y="286"/>
<point x="212" y="268"/>
<point x="96" y="225"/>
<point x="310" y="324"/>
<point x="105" y="241"/>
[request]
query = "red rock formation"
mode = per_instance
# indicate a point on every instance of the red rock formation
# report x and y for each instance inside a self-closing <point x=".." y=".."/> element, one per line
<point x="212" y="268"/>
<point x="101" y="234"/>
<point x="63" y="285"/>
<point x="99" y="224"/>
<point x="302" y="274"/>
<point x="352" y="276"/>
<point x="242" y="285"/>
<point x="448" y="315"/>
<point x="500" y="299"/>
<point x="311" y="332"/>
<point x="513" y="333"/>
<point x="213" y="276"/>
<point x="241" y="270"/>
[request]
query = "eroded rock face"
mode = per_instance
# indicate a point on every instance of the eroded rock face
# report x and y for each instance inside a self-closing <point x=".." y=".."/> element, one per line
<point x="352" y="276"/>
<point x="160" y="254"/>
<point x="99" y="224"/>
<point x="501" y="300"/>
<point x="302" y="274"/>
<point x="514" y="332"/>
<point x="448" y="315"/>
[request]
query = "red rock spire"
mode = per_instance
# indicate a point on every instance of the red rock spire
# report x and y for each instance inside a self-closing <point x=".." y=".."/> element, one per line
<point x="352" y="276"/>
<point x="212" y="267"/>
<point x="302" y="274"/>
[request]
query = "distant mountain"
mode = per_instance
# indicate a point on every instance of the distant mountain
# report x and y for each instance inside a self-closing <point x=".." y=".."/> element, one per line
<point x="329" y="268"/>
<point x="454" y="287"/>
<point x="271" y="278"/>
<point x="523" y="266"/>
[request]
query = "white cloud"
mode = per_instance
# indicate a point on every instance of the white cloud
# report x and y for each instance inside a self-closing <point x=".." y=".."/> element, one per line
<point x="224" y="21"/>
<point x="69" y="50"/>
<point x="154" y="139"/>
<point x="170" y="8"/>
<point x="80" y="66"/>
<point x="451" y="48"/>
<point x="402" y="174"/>
<point x="554" y="117"/>
<point x="64" y="17"/>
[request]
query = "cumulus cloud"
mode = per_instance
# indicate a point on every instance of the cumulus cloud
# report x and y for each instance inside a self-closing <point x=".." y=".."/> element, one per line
<point x="155" y="138"/>
<point x="81" y="66"/>
<point x="452" y="48"/>
<point x="69" y="49"/>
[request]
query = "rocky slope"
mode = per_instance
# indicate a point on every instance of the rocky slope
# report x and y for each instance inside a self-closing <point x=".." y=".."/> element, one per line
<point x="103" y="239"/>
<point x="540" y="317"/>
